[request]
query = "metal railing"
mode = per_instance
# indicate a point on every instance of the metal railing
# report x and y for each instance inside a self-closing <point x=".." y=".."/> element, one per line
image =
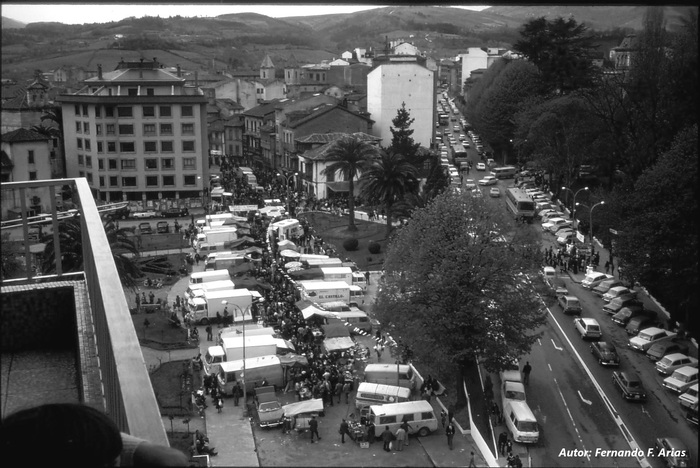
<point x="127" y="389"/>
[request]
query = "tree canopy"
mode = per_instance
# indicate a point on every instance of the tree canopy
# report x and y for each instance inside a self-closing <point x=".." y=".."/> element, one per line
<point x="455" y="290"/>
<point x="401" y="140"/>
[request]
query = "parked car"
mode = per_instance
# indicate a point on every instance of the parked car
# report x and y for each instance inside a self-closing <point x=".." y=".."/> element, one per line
<point x="588" y="328"/>
<point x="605" y="285"/>
<point x="605" y="353"/>
<point x="616" y="304"/>
<point x="174" y="212"/>
<point x="495" y="192"/>
<point x="557" y="223"/>
<point x="270" y="412"/>
<point x="617" y="291"/>
<point x="144" y="214"/>
<point x="121" y="213"/>
<point x="673" y="451"/>
<point x="690" y="397"/>
<point x="626" y="314"/>
<point x="669" y="363"/>
<point x="682" y="379"/>
<point x="162" y="227"/>
<point x="660" y="350"/>
<point x="469" y="184"/>
<point x="551" y="215"/>
<point x="146" y="228"/>
<point x="593" y="279"/>
<point x="648" y="337"/>
<point x="480" y="166"/>
<point x="630" y="385"/>
<point x="570" y="304"/>
<point x="564" y="237"/>
<point x="639" y="323"/>
<point x="488" y="180"/>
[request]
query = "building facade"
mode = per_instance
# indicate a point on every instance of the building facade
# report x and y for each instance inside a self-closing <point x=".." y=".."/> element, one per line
<point x="138" y="134"/>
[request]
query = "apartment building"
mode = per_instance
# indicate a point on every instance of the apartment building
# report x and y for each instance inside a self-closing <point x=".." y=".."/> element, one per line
<point x="139" y="134"/>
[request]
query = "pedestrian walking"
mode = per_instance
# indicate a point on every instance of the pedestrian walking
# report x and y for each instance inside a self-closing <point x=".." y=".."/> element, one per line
<point x="502" y="441"/>
<point x="387" y="437"/>
<point x="367" y="275"/>
<point x="401" y="437"/>
<point x="450" y="433"/>
<point x="313" y="428"/>
<point x="219" y="404"/>
<point x="526" y="373"/>
<point x="509" y="446"/>
<point x="339" y="390"/>
<point x="225" y="315"/>
<point x="443" y="417"/>
<point x="236" y="394"/>
<point x="344" y="430"/>
<point x="138" y="301"/>
<point x="379" y="348"/>
<point x="612" y="268"/>
<point x="209" y="333"/>
<point x="151" y="297"/>
<point x="347" y="388"/>
<point x="472" y="463"/>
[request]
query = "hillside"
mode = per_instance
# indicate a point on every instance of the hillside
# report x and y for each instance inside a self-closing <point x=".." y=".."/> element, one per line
<point x="8" y="23"/>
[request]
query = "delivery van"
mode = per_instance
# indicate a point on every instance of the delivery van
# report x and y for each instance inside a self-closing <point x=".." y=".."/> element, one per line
<point x="390" y="374"/>
<point x="358" y="279"/>
<point x="521" y="422"/>
<point x="209" y="276"/>
<point x="357" y="295"/>
<point x="378" y="394"/>
<point x="357" y="320"/>
<point x="419" y="415"/>
<point x="256" y="369"/>
<point x="198" y="289"/>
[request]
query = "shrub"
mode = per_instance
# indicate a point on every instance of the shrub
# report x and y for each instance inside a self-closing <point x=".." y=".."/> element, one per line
<point x="351" y="244"/>
<point x="374" y="247"/>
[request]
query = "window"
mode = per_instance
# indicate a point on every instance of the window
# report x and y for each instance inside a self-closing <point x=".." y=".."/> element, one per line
<point x="81" y="173"/>
<point x="151" y="181"/>
<point x="165" y="111"/>
<point x="32" y="175"/>
<point x="78" y="127"/>
<point x="187" y="111"/>
<point x="125" y="111"/>
<point x="85" y="110"/>
<point x="81" y="160"/>
<point x="126" y="129"/>
<point x="190" y="180"/>
<point x="330" y="177"/>
<point x="151" y="163"/>
<point x="188" y="129"/>
<point x="112" y="163"/>
<point x="30" y="156"/>
<point x="168" y="180"/>
<point x="86" y="127"/>
<point x="88" y="161"/>
<point x="150" y="146"/>
<point x="167" y="163"/>
<point x="127" y="147"/>
<point x="110" y="129"/>
<point x="128" y="164"/>
<point x="166" y="129"/>
<point x="100" y="163"/>
<point x="102" y="181"/>
<point x="188" y="146"/>
<point x="150" y="92"/>
<point x="189" y="163"/>
<point x="427" y="415"/>
<point x="128" y="181"/>
<point x="113" y="181"/>
<point x="88" y="176"/>
<point x="166" y="146"/>
<point x="387" y="420"/>
<point x="109" y="111"/>
<point x="407" y="417"/>
<point x="149" y="129"/>
<point x="79" y="143"/>
<point x="98" y="113"/>
<point x="88" y="145"/>
<point x="133" y="91"/>
<point x="77" y="109"/>
<point x="149" y="111"/>
<point x="111" y="147"/>
<point x="98" y="129"/>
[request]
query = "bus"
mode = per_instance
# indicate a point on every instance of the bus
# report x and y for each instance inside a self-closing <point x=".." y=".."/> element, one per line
<point x="519" y="203"/>
<point x="505" y="172"/>
<point x="443" y="119"/>
<point x="459" y="151"/>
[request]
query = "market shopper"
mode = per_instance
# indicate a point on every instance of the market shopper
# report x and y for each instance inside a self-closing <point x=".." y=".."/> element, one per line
<point x="450" y="433"/>
<point x="344" y="430"/>
<point x="313" y="428"/>
<point x="387" y="437"/>
<point x="401" y="437"/>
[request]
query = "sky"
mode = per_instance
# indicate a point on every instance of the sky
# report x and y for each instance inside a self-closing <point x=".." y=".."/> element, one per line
<point x="104" y="13"/>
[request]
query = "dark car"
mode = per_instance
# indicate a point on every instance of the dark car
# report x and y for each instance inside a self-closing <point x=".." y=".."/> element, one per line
<point x="639" y="323"/>
<point x="659" y="350"/>
<point x="121" y="213"/>
<point x="618" y="303"/>
<point x="174" y="212"/>
<point x="630" y="385"/>
<point x="162" y="227"/>
<point x="605" y="353"/>
<point x="673" y="451"/>
<point x="628" y="313"/>
<point x="146" y="228"/>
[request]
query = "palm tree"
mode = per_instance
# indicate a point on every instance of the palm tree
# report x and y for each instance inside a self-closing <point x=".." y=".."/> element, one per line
<point x="387" y="180"/>
<point x="349" y="156"/>
<point x="70" y="237"/>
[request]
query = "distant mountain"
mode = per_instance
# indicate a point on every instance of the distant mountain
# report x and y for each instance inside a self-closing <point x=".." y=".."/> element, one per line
<point x="9" y="23"/>
<point x="598" y="17"/>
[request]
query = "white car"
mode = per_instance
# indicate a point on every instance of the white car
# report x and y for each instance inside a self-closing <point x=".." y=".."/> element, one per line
<point x="564" y="237"/>
<point x="470" y="184"/>
<point x="455" y="128"/>
<point x="588" y="328"/>
<point x="552" y="214"/>
<point x="462" y="137"/>
<point x="558" y="224"/>
<point x="488" y="180"/>
<point x="546" y="226"/>
<point x="480" y="166"/>
<point x="144" y="214"/>
<point x="465" y="143"/>
<point x="690" y="397"/>
<point x="495" y="192"/>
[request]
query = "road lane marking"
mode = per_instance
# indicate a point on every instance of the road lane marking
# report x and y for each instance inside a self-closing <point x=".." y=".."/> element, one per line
<point x="573" y="423"/>
<point x="556" y="347"/>
<point x="583" y="399"/>
<point x="550" y="367"/>
<point x="539" y="341"/>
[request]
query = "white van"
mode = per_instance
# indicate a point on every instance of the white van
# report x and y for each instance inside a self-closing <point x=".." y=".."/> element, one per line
<point x="377" y="394"/>
<point x="198" y="289"/>
<point x="358" y="279"/>
<point x="521" y="422"/>
<point x="419" y="415"/>
<point x="357" y="294"/>
<point x="358" y="319"/>
<point x="209" y="276"/>
<point x="594" y="279"/>
<point x="390" y="374"/>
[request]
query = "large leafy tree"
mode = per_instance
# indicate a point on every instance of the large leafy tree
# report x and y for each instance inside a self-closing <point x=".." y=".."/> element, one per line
<point x="70" y="238"/>
<point x="387" y="180"/>
<point x="657" y="242"/>
<point x="401" y="137"/>
<point x="454" y="291"/>
<point x="349" y="156"/>
<point x="563" y="51"/>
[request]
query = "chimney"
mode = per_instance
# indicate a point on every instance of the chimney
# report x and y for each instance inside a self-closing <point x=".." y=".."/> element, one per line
<point x="99" y="71"/>
<point x="179" y="74"/>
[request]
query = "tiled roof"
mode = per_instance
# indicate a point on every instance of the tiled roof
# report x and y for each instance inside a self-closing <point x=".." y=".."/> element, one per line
<point x="317" y="112"/>
<point x="328" y="137"/>
<point x="23" y="134"/>
<point x="263" y="109"/>
<point x="267" y="62"/>
<point x="136" y="75"/>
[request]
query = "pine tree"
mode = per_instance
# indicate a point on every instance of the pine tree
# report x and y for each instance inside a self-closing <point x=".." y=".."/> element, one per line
<point x="401" y="141"/>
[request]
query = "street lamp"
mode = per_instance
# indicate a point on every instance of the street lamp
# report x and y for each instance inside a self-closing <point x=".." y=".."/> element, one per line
<point x="573" y="215"/>
<point x="590" y="220"/>
<point x="236" y="306"/>
<point x="287" y="178"/>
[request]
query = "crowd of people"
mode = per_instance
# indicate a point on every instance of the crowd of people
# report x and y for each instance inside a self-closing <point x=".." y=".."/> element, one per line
<point x="570" y="258"/>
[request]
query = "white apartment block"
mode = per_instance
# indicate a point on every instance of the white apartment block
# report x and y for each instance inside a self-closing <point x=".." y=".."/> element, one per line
<point x="137" y="134"/>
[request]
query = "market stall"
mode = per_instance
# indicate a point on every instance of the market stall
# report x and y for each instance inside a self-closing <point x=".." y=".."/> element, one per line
<point x="301" y="412"/>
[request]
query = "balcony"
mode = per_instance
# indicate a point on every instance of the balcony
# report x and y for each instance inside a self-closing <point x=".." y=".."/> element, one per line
<point x="69" y="337"/>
